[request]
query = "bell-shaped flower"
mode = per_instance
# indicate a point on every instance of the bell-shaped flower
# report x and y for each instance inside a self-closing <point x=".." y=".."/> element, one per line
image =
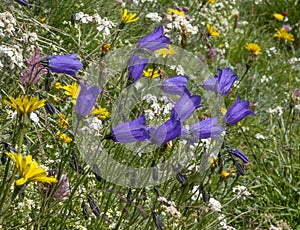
<point x="207" y="128"/>
<point x="68" y="64"/>
<point x="239" y="154"/>
<point x="131" y="131"/>
<point x="168" y="131"/>
<point x="22" y="2"/>
<point x="136" y="67"/>
<point x="185" y="106"/>
<point x="154" y="41"/>
<point x="221" y="83"/>
<point x="237" y="112"/>
<point x="175" y="85"/>
<point x="86" y="100"/>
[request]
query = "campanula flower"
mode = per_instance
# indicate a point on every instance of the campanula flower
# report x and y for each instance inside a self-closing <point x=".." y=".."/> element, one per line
<point x="131" y="131"/>
<point x="238" y="111"/>
<point x="207" y="128"/>
<point x="86" y="100"/>
<point x="185" y="106"/>
<point x="175" y="85"/>
<point x="136" y="67"/>
<point x="239" y="154"/>
<point x="22" y="2"/>
<point x="221" y="83"/>
<point x="68" y="64"/>
<point x="154" y="41"/>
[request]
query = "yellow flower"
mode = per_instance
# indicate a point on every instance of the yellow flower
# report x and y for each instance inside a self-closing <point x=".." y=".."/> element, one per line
<point x="101" y="113"/>
<point x="63" y="122"/>
<point x="213" y="162"/>
<point x="253" y="48"/>
<point x="58" y="85"/>
<point x="279" y="17"/>
<point x="63" y="137"/>
<point x="106" y="47"/>
<point x="29" y="170"/>
<point x="151" y="73"/>
<point x="165" y="52"/>
<point x="127" y="18"/>
<point x="72" y="90"/>
<point x="282" y="34"/>
<point x="223" y="111"/>
<point x="225" y="174"/>
<point x="42" y="20"/>
<point x="212" y="31"/>
<point x="178" y="12"/>
<point x="211" y="1"/>
<point x="25" y="105"/>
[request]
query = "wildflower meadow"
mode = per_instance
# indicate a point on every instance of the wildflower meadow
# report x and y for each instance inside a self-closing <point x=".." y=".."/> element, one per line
<point x="150" y="114"/>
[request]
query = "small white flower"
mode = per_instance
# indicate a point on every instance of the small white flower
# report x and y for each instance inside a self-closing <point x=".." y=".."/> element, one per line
<point x="154" y="17"/>
<point x="34" y="117"/>
<point x="214" y="205"/>
<point x="260" y="136"/>
<point x="240" y="192"/>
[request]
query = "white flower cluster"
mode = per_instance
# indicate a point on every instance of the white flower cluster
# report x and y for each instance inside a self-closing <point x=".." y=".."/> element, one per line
<point x="104" y="25"/>
<point x="214" y="204"/>
<point x="7" y="24"/>
<point x="161" y="106"/>
<point x="169" y="207"/>
<point x="277" y="110"/>
<point x="272" y="51"/>
<point x="10" y="56"/>
<point x="240" y="192"/>
<point x="137" y="2"/>
<point x="264" y="78"/>
<point x="154" y="17"/>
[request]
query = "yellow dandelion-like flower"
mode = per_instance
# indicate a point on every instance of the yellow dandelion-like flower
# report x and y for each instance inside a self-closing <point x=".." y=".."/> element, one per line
<point x="177" y="12"/>
<point x="151" y="73"/>
<point x="253" y="48"/>
<point x="72" y="90"/>
<point x="212" y="31"/>
<point x="42" y="20"/>
<point x="165" y="52"/>
<point x="282" y="34"/>
<point x="106" y="47"/>
<point x="211" y="1"/>
<point x="213" y="162"/>
<point x="225" y="174"/>
<point x="223" y="111"/>
<point x="63" y="122"/>
<point x="63" y="137"/>
<point x="279" y="17"/>
<point x="29" y="170"/>
<point x="127" y="18"/>
<point x="57" y="85"/>
<point x="25" y="105"/>
<point x="101" y="113"/>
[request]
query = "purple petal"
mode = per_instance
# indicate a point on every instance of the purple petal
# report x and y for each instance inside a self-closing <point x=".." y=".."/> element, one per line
<point x="225" y="80"/>
<point x="239" y="154"/>
<point x="175" y="85"/>
<point x="211" y="84"/>
<point x="207" y="128"/>
<point x="136" y="67"/>
<point x="68" y="64"/>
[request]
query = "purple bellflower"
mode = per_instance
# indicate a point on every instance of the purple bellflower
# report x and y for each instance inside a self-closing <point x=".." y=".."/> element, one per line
<point x="175" y="85"/>
<point x="166" y="132"/>
<point x="239" y="154"/>
<point x="68" y="64"/>
<point x="154" y="41"/>
<point x="237" y="112"/>
<point x="221" y="83"/>
<point x="86" y="100"/>
<point x="131" y="131"/>
<point x="207" y="128"/>
<point x="136" y="67"/>
<point x="185" y="106"/>
<point x="22" y="2"/>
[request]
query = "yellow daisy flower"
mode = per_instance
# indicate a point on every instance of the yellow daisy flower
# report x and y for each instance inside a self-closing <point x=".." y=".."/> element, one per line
<point x="29" y="170"/>
<point x="165" y="52"/>
<point x="151" y="73"/>
<point x="101" y="113"/>
<point x="253" y="48"/>
<point x="63" y="137"/>
<point x="212" y="31"/>
<point x="279" y="17"/>
<point x="211" y="1"/>
<point x="63" y="122"/>
<point x="25" y="105"/>
<point x="127" y="18"/>
<point x="72" y="90"/>
<point x="177" y="12"/>
<point x="225" y="174"/>
<point x="282" y="34"/>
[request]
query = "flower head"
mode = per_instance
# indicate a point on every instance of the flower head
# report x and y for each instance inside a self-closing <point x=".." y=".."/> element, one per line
<point x="221" y="83"/>
<point x="282" y="34"/>
<point x="154" y="41"/>
<point x="237" y="112"/>
<point x="253" y="48"/>
<point x="25" y="105"/>
<point x="86" y="100"/>
<point x="279" y="17"/>
<point x="100" y="112"/>
<point x="71" y="90"/>
<point x="212" y="31"/>
<point x="239" y="154"/>
<point x="29" y="170"/>
<point x="22" y="2"/>
<point x="131" y="131"/>
<point x="177" y="12"/>
<point x="63" y="137"/>
<point x="127" y="18"/>
<point x="175" y="85"/>
<point x="68" y="64"/>
<point x="35" y="69"/>
<point x="136" y="67"/>
<point x="166" y="51"/>
<point x="151" y="73"/>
